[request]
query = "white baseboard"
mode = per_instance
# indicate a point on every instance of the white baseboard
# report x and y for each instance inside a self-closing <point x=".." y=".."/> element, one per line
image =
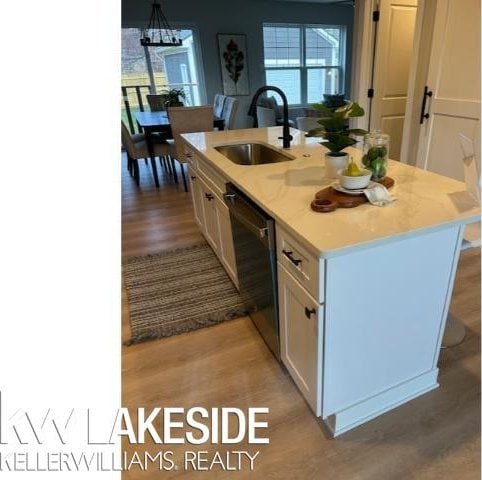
<point x="359" y="413"/>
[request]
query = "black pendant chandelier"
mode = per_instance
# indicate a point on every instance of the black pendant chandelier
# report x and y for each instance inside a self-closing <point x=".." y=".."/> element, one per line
<point x="158" y="32"/>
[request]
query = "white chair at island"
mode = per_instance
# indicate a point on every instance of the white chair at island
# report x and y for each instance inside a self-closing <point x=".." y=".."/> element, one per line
<point x="307" y="123"/>
<point x="454" y="329"/>
<point x="228" y="113"/>
<point x="266" y="117"/>
<point x="218" y="104"/>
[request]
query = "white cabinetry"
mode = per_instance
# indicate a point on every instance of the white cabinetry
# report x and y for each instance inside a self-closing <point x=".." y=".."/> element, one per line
<point x="301" y="337"/>
<point x="211" y="223"/>
<point x="226" y="240"/>
<point x="197" y="197"/>
<point x="210" y="211"/>
<point x="301" y="315"/>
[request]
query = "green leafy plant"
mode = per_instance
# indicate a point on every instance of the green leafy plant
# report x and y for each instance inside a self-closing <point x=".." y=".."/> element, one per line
<point x="334" y="126"/>
<point x="174" y="95"/>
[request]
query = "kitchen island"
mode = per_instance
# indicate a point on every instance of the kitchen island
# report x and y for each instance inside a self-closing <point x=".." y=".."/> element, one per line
<point x="364" y="292"/>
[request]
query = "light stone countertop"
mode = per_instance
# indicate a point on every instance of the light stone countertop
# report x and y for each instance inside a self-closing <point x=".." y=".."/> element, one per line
<point x="425" y="200"/>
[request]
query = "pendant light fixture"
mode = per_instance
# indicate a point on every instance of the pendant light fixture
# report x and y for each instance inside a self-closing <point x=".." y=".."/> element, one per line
<point x="158" y="32"/>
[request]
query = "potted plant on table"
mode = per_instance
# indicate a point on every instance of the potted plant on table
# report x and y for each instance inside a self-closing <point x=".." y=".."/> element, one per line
<point x="173" y="97"/>
<point x="336" y="132"/>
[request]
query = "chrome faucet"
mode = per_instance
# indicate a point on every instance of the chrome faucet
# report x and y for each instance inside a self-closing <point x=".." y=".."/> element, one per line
<point x="286" y="126"/>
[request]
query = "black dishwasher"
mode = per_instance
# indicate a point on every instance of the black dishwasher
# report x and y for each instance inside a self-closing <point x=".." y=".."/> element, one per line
<point x="255" y="250"/>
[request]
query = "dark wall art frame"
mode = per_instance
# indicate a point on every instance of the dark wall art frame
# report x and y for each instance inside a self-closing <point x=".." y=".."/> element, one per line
<point x="234" y="63"/>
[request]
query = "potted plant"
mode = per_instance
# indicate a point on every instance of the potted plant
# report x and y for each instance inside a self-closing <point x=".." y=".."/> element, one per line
<point x="173" y="97"/>
<point x="336" y="132"/>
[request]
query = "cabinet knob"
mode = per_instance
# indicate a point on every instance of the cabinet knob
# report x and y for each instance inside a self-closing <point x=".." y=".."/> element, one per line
<point x="209" y="196"/>
<point x="309" y="312"/>
<point x="193" y="178"/>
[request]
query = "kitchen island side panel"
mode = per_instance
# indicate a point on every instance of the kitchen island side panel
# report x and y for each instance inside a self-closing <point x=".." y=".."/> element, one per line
<point x="384" y="312"/>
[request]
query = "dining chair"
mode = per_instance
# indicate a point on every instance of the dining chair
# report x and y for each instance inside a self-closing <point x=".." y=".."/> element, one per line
<point x="188" y="120"/>
<point x="218" y="105"/>
<point x="137" y="150"/>
<point x="229" y="112"/>
<point x="454" y="333"/>
<point x="157" y="102"/>
<point x="266" y="117"/>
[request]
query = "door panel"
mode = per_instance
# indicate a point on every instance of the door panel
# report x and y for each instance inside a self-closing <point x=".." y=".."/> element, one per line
<point x="445" y="152"/>
<point x="454" y="79"/>
<point x="400" y="28"/>
<point x="460" y="56"/>
<point x="392" y="61"/>
<point x="393" y="125"/>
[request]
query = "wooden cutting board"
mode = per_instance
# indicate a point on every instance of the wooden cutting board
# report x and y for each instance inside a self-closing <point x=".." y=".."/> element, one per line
<point x="328" y="199"/>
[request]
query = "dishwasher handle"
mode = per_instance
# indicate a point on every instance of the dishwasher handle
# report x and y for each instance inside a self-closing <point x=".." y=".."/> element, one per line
<point x="263" y="233"/>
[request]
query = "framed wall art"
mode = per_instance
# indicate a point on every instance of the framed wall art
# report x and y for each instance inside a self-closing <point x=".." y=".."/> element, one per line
<point x="234" y="63"/>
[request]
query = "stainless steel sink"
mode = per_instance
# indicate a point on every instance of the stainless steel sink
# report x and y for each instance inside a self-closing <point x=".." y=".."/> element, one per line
<point x="252" y="154"/>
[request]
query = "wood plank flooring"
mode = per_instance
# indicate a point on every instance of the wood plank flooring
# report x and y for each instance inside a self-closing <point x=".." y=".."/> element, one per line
<point x="436" y="436"/>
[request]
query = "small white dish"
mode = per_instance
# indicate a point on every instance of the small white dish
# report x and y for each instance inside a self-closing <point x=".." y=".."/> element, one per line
<point x="357" y="191"/>
<point x="355" y="183"/>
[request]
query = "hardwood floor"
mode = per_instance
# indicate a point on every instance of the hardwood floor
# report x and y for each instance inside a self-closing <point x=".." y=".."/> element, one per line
<point x="155" y="219"/>
<point x="436" y="436"/>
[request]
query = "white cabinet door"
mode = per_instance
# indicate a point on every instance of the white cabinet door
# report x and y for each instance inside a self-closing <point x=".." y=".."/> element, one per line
<point x="212" y="216"/>
<point x="197" y="198"/>
<point x="211" y="223"/>
<point x="301" y="330"/>
<point x="454" y="80"/>
<point x="226" y="244"/>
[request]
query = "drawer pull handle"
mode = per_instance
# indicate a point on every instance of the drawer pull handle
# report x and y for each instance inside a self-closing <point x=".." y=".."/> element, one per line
<point x="193" y="178"/>
<point x="208" y="196"/>
<point x="291" y="258"/>
<point x="309" y="312"/>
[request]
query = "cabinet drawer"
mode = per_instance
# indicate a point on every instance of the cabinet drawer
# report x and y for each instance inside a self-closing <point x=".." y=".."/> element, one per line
<point x="308" y="269"/>
<point x="217" y="180"/>
<point x="191" y="158"/>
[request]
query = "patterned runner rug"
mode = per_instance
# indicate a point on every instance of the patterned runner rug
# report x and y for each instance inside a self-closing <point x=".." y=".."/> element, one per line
<point x="178" y="291"/>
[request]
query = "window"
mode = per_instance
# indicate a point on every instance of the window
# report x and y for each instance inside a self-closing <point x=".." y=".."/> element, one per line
<point x="149" y="69"/>
<point x="305" y="61"/>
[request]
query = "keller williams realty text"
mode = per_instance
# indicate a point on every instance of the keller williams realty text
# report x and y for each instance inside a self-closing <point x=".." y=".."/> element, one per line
<point x="202" y="460"/>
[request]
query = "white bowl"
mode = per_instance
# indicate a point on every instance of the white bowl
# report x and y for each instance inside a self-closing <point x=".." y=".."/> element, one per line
<point x="353" y="183"/>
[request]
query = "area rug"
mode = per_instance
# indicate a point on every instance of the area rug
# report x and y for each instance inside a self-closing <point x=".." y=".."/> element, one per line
<point x="178" y="291"/>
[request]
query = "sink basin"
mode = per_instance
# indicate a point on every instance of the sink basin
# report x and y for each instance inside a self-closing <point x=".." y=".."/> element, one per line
<point x="252" y="154"/>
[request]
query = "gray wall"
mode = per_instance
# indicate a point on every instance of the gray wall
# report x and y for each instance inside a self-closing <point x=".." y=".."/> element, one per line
<point x="243" y="16"/>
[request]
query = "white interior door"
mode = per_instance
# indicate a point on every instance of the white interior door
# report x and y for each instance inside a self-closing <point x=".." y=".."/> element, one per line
<point x="393" y="52"/>
<point x="454" y="80"/>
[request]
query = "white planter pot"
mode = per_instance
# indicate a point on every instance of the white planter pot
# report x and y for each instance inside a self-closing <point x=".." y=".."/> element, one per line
<point x="334" y="164"/>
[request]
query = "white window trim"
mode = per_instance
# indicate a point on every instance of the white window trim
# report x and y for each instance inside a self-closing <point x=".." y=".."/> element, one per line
<point x="303" y="67"/>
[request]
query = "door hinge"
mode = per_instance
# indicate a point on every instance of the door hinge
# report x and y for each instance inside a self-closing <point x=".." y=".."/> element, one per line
<point x="370" y="93"/>
<point x="376" y="15"/>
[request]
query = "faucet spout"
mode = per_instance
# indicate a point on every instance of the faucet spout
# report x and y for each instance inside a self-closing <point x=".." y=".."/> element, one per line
<point x="287" y="137"/>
